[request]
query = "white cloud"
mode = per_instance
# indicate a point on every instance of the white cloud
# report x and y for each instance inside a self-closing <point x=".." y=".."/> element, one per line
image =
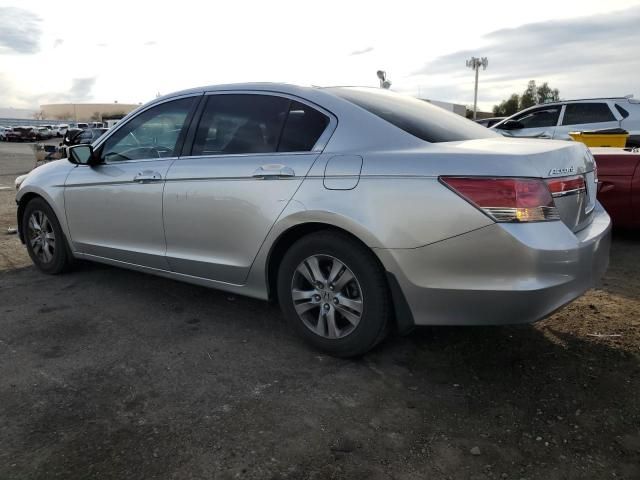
<point x="19" y="30"/>
<point x="601" y="49"/>
<point x="132" y="50"/>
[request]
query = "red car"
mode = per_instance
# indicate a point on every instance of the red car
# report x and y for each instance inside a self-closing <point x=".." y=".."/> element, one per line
<point x="619" y="184"/>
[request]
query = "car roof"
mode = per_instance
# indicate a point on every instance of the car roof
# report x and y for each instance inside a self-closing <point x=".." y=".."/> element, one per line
<point x="595" y="99"/>
<point x="311" y="93"/>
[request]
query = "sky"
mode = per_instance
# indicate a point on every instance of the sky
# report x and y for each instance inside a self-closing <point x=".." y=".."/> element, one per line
<point x="130" y="51"/>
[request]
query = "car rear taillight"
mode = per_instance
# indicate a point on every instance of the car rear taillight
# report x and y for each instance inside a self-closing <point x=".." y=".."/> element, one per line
<point x="507" y="199"/>
<point x="566" y="185"/>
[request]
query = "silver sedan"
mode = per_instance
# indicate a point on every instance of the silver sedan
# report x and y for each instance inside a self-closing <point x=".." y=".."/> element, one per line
<point x="360" y="210"/>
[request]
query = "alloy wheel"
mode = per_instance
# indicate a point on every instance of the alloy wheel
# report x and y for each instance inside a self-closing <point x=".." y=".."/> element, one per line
<point x="327" y="296"/>
<point x="41" y="236"/>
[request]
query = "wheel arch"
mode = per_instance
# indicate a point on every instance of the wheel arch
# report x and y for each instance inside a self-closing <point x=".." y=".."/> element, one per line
<point x="22" y="204"/>
<point x="288" y="237"/>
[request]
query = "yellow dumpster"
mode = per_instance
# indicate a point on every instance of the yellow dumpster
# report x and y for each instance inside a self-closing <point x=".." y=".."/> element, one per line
<point x="613" y="137"/>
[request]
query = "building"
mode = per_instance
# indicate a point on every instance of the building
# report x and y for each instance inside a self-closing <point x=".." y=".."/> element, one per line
<point x="452" y="107"/>
<point x="85" y="112"/>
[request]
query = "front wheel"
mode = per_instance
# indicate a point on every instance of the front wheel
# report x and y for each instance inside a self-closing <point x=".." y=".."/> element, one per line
<point x="44" y="238"/>
<point x="333" y="292"/>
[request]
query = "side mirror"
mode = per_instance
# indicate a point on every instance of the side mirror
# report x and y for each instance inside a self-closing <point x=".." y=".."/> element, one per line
<point x="82" y="155"/>
<point x="510" y="125"/>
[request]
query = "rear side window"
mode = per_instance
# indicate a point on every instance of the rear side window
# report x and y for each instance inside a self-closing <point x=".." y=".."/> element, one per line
<point x="622" y="111"/>
<point x="417" y="117"/>
<point x="302" y="129"/>
<point x="251" y="123"/>
<point x="233" y="124"/>
<point x="578" y="113"/>
<point x="540" y="117"/>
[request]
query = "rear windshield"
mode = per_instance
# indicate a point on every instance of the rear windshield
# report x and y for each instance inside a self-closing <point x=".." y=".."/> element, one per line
<point x="417" y="117"/>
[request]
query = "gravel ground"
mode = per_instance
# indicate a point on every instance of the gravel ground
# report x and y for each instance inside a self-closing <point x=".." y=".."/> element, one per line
<point x="113" y="374"/>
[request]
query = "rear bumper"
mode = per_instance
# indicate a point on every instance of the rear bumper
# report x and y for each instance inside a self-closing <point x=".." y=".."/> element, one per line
<point x="500" y="274"/>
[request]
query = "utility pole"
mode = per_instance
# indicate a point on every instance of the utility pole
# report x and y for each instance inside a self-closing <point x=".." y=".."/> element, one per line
<point x="475" y="63"/>
<point x="382" y="77"/>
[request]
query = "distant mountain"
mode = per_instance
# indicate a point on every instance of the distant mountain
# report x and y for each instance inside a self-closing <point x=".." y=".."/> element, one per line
<point x="16" y="112"/>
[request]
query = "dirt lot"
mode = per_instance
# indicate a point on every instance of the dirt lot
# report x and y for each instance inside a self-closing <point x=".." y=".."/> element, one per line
<point x="113" y="374"/>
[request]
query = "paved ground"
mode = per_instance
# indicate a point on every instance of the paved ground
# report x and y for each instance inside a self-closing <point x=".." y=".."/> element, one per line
<point x="112" y="374"/>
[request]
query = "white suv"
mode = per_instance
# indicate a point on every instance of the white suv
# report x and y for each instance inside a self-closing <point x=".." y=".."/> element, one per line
<point x="556" y="120"/>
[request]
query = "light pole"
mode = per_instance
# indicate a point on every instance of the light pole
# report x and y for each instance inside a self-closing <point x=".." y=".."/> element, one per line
<point x="475" y="63"/>
<point x="382" y="76"/>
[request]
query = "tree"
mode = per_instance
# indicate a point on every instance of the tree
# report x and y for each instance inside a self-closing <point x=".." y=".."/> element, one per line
<point x="506" y="108"/>
<point x="468" y="112"/>
<point x="533" y="95"/>
<point x="546" y="94"/>
<point x="39" y="115"/>
<point x="529" y="98"/>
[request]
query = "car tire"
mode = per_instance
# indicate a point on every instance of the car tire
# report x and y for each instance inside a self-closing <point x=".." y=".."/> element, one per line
<point x="345" y="312"/>
<point x="44" y="238"/>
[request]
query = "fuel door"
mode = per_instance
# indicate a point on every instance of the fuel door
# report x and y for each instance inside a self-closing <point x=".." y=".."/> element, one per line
<point x="342" y="172"/>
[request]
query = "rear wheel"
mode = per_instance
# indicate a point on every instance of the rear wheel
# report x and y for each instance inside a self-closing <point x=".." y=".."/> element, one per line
<point x="44" y="238"/>
<point x="333" y="292"/>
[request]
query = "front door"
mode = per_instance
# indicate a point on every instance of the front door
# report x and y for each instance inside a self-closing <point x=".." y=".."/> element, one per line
<point x="537" y="123"/>
<point x="249" y="156"/>
<point x="114" y="209"/>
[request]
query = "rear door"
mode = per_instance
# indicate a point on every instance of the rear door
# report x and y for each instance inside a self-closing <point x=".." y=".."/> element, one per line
<point x="585" y="116"/>
<point x="249" y="155"/>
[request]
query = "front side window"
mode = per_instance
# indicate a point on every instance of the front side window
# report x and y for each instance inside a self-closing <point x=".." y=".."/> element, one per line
<point x="540" y="118"/>
<point x="152" y="134"/>
<point x="577" y="113"/>
<point x="240" y="123"/>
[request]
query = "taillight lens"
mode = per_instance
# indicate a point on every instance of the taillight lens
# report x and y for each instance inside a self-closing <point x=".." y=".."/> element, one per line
<point x="507" y="199"/>
<point x="566" y="185"/>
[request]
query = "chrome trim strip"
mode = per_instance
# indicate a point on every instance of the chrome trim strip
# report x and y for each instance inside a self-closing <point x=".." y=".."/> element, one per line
<point x="569" y="192"/>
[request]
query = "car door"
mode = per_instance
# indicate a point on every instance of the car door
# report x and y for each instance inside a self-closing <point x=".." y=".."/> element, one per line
<point x="250" y="153"/>
<point x="114" y="209"/>
<point x="538" y="122"/>
<point x="585" y="116"/>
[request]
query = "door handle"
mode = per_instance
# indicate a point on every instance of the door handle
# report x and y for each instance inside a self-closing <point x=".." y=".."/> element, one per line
<point x="147" y="177"/>
<point x="275" y="170"/>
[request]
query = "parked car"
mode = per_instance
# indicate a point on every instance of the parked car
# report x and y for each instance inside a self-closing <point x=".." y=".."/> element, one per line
<point x="556" y="120"/>
<point x="61" y="130"/>
<point x="71" y="133"/>
<point x="12" y="134"/>
<point x="43" y="133"/>
<point x="3" y="133"/>
<point x="77" y="136"/>
<point x="489" y="122"/>
<point x="359" y="209"/>
<point x="22" y="134"/>
<point x="619" y="184"/>
<point x="82" y="125"/>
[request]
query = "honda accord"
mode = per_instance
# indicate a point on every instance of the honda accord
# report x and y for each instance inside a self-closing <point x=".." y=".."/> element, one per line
<point x="360" y="210"/>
